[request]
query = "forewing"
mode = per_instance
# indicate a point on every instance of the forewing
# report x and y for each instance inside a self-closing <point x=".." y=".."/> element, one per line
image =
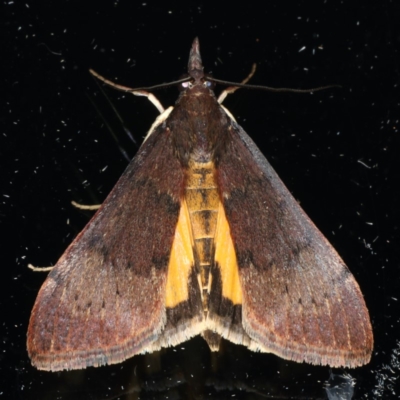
<point x="299" y="299"/>
<point x="105" y="299"/>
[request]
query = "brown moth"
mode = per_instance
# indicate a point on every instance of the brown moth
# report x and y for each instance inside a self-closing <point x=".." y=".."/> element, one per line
<point x="199" y="236"/>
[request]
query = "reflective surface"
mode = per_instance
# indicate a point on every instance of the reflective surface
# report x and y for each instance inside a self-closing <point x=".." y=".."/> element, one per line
<point x="337" y="151"/>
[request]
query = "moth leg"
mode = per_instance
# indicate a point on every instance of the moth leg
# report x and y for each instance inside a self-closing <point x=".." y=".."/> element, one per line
<point x="127" y="89"/>
<point x="151" y="97"/>
<point x="232" y="89"/>
<point x="85" y="206"/>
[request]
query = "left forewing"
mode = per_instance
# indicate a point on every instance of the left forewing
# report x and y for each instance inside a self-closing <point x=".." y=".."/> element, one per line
<point x="105" y="300"/>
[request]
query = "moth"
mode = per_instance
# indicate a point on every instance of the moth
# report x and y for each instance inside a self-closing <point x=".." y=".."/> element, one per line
<point x="199" y="236"/>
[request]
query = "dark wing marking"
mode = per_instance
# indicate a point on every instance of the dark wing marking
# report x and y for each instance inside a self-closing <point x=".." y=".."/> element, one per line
<point x="299" y="299"/>
<point x="105" y="299"/>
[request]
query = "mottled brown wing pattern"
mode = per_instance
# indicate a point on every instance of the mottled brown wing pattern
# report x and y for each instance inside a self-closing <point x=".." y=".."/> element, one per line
<point x="299" y="299"/>
<point x="105" y="299"/>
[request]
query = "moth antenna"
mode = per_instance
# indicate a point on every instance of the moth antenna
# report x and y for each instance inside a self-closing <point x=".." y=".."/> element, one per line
<point x="128" y="89"/>
<point x="271" y="89"/>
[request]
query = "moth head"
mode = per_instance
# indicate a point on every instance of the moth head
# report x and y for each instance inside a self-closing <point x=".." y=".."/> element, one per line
<point x="208" y="84"/>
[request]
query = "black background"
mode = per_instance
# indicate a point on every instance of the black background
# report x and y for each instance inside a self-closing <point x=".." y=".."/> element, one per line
<point x="337" y="151"/>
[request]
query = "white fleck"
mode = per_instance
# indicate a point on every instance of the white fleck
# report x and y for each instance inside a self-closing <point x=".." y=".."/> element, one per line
<point x="363" y="163"/>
